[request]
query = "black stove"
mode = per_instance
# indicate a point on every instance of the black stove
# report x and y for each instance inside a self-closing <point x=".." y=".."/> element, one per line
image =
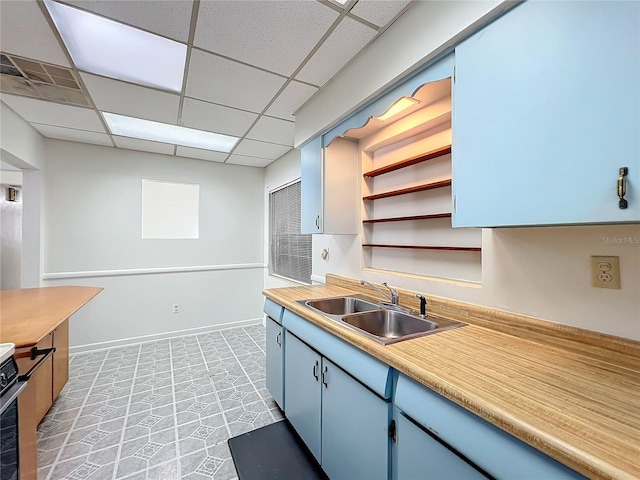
<point x="8" y="374"/>
<point x="10" y="388"/>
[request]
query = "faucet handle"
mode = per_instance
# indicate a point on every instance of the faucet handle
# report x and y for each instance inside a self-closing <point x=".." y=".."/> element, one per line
<point x="394" y="294"/>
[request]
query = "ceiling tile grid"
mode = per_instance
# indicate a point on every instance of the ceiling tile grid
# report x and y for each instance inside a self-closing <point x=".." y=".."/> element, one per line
<point x="37" y="41"/>
<point x="216" y="118"/>
<point x="124" y="98"/>
<point x="273" y="130"/>
<point x="342" y="45"/>
<point x="250" y="66"/>
<point x="248" y="161"/>
<point x="73" y="135"/>
<point x="225" y="82"/>
<point x="200" y="154"/>
<point x="169" y="18"/>
<point x="254" y="148"/>
<point x="50" y="113"/>
<point x="290" y="99"/>
<point x="380" y="13"/>
<point x="275" y="35"/>
<point x="143" y="145"/>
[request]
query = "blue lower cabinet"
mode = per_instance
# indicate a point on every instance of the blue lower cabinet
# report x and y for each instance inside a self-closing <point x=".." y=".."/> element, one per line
<point x="302" y="370"/>
<point x="418" y="455"/>
<point x="343" y="423"/>
<point x="490" y="449"/>
<point x="355" y="428"/>
<point x="274" y="361"/>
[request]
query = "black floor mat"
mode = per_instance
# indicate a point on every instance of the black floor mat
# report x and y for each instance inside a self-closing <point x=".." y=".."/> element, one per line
<point x="273" y="452"/>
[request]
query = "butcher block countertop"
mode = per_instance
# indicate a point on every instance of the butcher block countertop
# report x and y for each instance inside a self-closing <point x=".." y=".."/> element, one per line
<point x="30" y="314"/>
<point x="581" y="409"/>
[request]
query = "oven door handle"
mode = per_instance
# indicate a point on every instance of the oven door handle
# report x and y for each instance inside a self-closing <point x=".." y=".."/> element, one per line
<point x="34" y="353"/>
<point x="10" y="395"/>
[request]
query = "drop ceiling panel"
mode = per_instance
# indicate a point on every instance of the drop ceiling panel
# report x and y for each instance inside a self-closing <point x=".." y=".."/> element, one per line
<point x="291" y="98"/>
<point x="224" y="93"/>
<point x="49" y="113"/>
<point x="341" y="46"/>
<point x="248" y="161"/>
<point x="254" y="148"/>
<point x="273" y="130"/>
<point x="143" y="145"/>
<point x="73" y="135"/>
<point x="201" y="154"/>
<point x="127" y="99"/>
<point x="24" y="31"/>
<point x="379" y="12"/>
<point x="225" y="82"/>
<point x="169" y="18"/>
<point x="275" y="35"/>
<point x="216" y="118"/>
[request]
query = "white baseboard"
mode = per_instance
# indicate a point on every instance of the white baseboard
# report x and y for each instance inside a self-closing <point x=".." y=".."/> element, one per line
<point x="161" y="336"/>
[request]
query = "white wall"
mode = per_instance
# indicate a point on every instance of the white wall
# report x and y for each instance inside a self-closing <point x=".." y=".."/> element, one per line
<point x="284" y="170"/>
<point x="93" y="237"/>
<point x="10" y="235"/>
<point x="23" y="147"/>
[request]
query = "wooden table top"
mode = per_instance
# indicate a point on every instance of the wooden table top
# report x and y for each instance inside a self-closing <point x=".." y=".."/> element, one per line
<point x="30" y="314"/>
<point x="582" y="411"/>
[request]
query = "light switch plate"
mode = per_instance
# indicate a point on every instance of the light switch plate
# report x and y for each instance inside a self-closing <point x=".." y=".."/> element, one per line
<point x="605" y="272"/>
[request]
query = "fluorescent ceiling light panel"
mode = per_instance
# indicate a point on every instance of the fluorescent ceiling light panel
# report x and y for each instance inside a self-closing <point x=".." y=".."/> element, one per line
<point x="162" y="132"/>
<point x="398" y="107"/>
<point x="114" y="50"/>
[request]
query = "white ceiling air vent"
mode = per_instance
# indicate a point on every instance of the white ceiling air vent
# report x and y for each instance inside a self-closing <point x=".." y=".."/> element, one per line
<point x="35" y="79"/>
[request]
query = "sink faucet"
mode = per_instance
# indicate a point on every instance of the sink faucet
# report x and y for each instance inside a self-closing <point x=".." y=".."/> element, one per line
<point x="393" y="297"/>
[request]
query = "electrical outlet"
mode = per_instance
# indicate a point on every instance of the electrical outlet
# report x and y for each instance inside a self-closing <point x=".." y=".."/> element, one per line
<point x="605" y="272"/>
<point x="176" y="308"/>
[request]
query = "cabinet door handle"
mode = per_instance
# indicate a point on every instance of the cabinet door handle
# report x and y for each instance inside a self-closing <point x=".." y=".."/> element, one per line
<point x="315" y="371"/>
<point x="278" y="341"/>
<point x="622" y="187"/>
<point x="318" y="222"/>
<point x="324" y="376"/>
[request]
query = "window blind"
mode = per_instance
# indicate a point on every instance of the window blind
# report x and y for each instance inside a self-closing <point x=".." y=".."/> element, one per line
<point x="290" y="251"/>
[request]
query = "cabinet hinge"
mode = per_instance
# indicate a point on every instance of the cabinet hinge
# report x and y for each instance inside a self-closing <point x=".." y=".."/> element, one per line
<point x="455" y="203"/>
<point x="454" y="74"/>
<point x="393" y="435"/>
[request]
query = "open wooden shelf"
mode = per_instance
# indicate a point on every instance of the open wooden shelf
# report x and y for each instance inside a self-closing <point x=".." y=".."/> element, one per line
<point x="405" y="191"/>
<point x="409" y="161"/>
<point x="404" y="219"/>
<point x="423" y="247"/>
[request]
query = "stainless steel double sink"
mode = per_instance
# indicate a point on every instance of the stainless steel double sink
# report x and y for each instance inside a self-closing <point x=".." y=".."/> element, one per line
<point x="382" y="323"/>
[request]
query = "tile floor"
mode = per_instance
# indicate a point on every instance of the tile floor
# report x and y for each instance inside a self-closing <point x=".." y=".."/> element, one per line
<point x="158" y="410"/>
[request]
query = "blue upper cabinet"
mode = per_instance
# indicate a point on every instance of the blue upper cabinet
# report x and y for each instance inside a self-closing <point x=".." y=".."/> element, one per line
<point x="311" y="169"/>
<point x="546" y="112"/>
<point x="330" y="186"/>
